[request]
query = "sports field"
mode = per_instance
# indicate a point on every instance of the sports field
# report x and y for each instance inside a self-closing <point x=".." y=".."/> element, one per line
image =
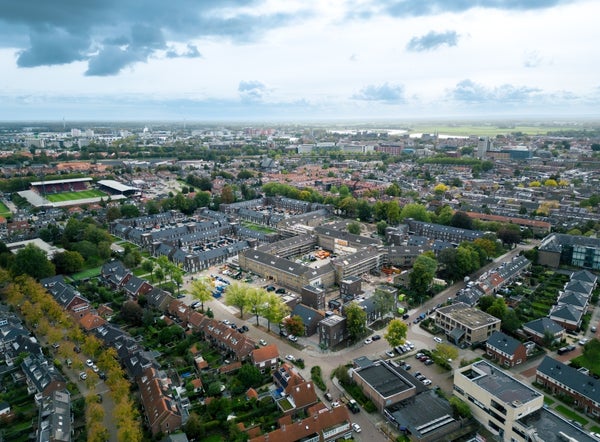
<point x="69" y="196"/>
<point x="4" y="211"/>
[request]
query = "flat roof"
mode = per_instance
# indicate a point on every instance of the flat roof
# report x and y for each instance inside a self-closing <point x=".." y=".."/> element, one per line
<point x="548" y="427"/>
<point x="467" y="316"/>
<point x="116" y="185"/>
<point x="499" y="384"/>
<point x="70" y="180"/>
<point x="424" y="415"/>
<point x="384" y="379"/>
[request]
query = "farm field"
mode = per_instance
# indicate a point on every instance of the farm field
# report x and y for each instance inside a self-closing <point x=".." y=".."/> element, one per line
<point x="69" y="196"/>
<point x="489" y="130"/>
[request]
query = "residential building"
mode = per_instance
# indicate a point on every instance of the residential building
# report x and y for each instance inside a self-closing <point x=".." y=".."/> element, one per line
<point x="573" y="250"/>
<point x="265" y="358"/>
<point x="463" y="323"/>
<point x="161" y="409"/>
<point x="505" y="350"/>
<point x="310" y="318"/>
<point x="539" y="330"/>
<point x="496" y="399"/>
<point x="332" y="331"/>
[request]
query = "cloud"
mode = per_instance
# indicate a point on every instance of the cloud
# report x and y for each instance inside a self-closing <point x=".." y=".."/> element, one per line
<point x="190" y="52"/>
<point x="532" y="59"/>
<point x="432" y="40"/>
<point x="416" y="8"/>
<point x="109" y="34"/>
<point x="471" y="92"/>
<point x="385" y="92"/>
<point x="252" y="90"/>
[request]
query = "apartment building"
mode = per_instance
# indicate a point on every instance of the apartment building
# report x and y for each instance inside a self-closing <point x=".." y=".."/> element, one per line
<point x="462" y="323"/>
<point x="496" y="399"/>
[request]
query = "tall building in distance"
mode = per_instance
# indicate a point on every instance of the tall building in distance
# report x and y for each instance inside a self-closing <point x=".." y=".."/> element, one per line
<point x="484" y="145"/>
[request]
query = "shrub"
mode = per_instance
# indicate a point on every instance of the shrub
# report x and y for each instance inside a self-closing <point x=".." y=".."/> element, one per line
<point x="315" y="375"/>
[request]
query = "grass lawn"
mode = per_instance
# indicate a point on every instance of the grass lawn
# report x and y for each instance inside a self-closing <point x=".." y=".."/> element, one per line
<point x="566" y="411"/>
<point x="548" y="400"/>
<point x="89" y="273"/>
<point x="4" y="211"/>
<point x="68" y="196"/>
<point x="258" y="227"/>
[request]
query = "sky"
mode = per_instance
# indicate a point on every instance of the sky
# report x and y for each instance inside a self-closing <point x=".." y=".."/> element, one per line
<point x="292" y="60"/>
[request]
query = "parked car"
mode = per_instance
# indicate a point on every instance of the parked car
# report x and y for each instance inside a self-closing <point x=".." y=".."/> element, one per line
<point x="83" y="376"/>
<point x="290" y="358"/>
<point x="280" y="291"/>
<point x="376" y="337"/>
<point x="89" y="363"/>
<point x="583" y="341"/>
<point x="418" y="355"/>
<point x="368" y="341"/>
<point x="426" y="381"/>
<point x="406" y="367"/>
<point x="283" y="333"/>
<point x="356" y="427"/>
<point x="328" y="396"/>
<point x="390" y="353"/>
<point x="428" y="362"/>
<point x="437" y="339"/>
<point x="353" y="406"/>
<point x="293" y="338"/>
<point x="262" y="342"/>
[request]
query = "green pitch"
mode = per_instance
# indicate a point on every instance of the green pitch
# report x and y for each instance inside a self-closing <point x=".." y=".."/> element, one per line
<point x="4" y="211"/>
<point x="69" y="196"/>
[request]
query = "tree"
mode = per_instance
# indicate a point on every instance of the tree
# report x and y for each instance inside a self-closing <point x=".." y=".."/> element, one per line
<point x="354" y="228"/>
<point x="32" y="261"/>
<point x="132" y="313"/>
<point x="396" y="332"/>
<point x="393" y="190"/>
<point x="113" y="213"/>
<point x="462" y="221"/>
<point x="201" y="291"/>
<point x="446" y="351"/>
<point x="235" y="295"/>
<point x="275" y="309"/>
<point x="68" y="262"/>
<point x="148" y="266"/>
<point x="510" y="234"/>
<point x="440" y="189"/>
<point x="249" y="375"/>
<point x="393" y="212"/>
<point x="498" y="308"/>
<point x="356" y="321"/>
<point x="485" y="302"/>
<point x="422" y="273"/>
<point x="381" y="226"/>
<point x="416" y="211"/>
<point x="510" y="321"/>
<point x="227" y="195"/>
<point x="460" y="408"/>
<point x="294" y="325"/>
<point x="255" y="301"/>
<point x="384" y="301"/>
<point x="130" y="211"/>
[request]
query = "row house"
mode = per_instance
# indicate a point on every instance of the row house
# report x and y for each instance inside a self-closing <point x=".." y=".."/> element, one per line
<point x="566" y="380"/>
<point x="115" y="274"/>
<point x="266" y="358"/>
<point x="438" y="231"/>
<point x="298" y="393"/>
<point x="573" y="301"/>
<point x="161" y="409"/>
<point x="66" y="296"/>
<point x="538" y="329"/>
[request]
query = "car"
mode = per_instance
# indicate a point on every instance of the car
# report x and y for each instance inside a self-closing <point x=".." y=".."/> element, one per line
<point x="55" y="346"/>
<point x="328" y="396"/>
<point x="270" y="288"/>
<point x="99" y="396"/>
<point x="280" y="291"/>
<point x="89" y="363"/>
<point x="283" y="333"/>
<point x="418" y="355"/>
<point x="290" y="358"/>
<point x="406" y="367"/>
<point x="583" y="341"/>
<point x="195" y="304"/>
<point x="335" y="404"/>
<point x="405" y="316"/>
<point x="437" y="339"/>
<point x="225" y="321"/>
<point x="399" y="349"/>
<point x="76" y="349"/>
<point x="376" y="337"/>
<point x="353" y="406"/>
<point x="83" y="376"/>
<point x="180" y="296"/>
<point x="428" y="362"/>
<point x="593" y="329"/>
<point x="419" y="376"/>
<point x="95" y="368"/>
<point x="245" y="328"/>
<point x="292" y="338"/>
<point x="368" y="341"/>
<point x="356" y="427"/>
<point x="233" y="326"/>
<point x="410" y="345"/>
<point x="390" y="353"/>
<point x="102" y="375"/>
<point x="576" y="423"/>
<point x="426" y="381"/>
<point x="262" y="342"/>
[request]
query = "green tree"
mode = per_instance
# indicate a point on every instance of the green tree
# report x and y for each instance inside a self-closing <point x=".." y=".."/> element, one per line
<point x="256" y="298"/>
<point x="510" y="321"/>
<point x="396" y="332"/>
<point x="384" y="301"/>
<point x="462" y="221"/>
<point x="422" y="273"/>
<point x="275" y="309"/>
<point x="68" y="262"/>
<point x="32" y="261"/>
<point x="364" y="210"/>
<point x="235" y="295"/>
<point x="113" y="213"/>
<point x="227" y="195"/>
<point x="249" y="376"/>
<point x="485" y="302"/>
<point x="201" y="291"/>
<point x="416" y="211"/>
<point x="381" y="226"/>
<point x="498" y="308"/>
<point x="393" y="213"/>
<point x="510" y="234"/>
<point x="356" y="321"/>
<point x="294" y="325"/>
<point x="460" y="408"/>
<point x="354" y="228"/>
<point x="130" y="211"/>
<point x="446" y="352"/>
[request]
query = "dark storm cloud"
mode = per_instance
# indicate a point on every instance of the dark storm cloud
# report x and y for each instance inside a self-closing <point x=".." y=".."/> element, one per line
<point x="388" y="93"/>
<point x="432" y="40"/>
<point x="415" y="8"/>
<point x="471" y="92"/>
<point x="114" y="34"/>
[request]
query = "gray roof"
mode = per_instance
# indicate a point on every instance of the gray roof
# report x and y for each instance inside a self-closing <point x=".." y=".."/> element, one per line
<point x="580" y="383"/>
<point x="566" y="312"/>
<point x="585" y="276"/>
<point x="308" y="315"/>
<point x="503" y="343"/>
<point x="542" y="325"/>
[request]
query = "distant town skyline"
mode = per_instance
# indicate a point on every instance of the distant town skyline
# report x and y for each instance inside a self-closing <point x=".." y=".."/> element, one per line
<point x="298" y="60"/>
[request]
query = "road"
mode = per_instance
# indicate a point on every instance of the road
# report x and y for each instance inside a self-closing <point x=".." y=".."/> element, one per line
<point x="308" y="349"/>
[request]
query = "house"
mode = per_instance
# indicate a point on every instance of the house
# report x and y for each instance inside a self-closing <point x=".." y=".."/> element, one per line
<point x="332" y="331"/>
<point x="115" y="274"/>
<point x="162" y="410"/>
<point x="310" y="318"/>
<point x="135" y="287"/>
<point x="55" y="418"/>
<point x="322" y="424"/>
<point x="265" y="358"/>
<point x="463" y="323"/>
<point x="568" y="316"/>
<point x="91" y="322"/>
<point x="565" y="380"/>
<point x="505" y="350"/>
<point x="159" y="299"/>
<point x="539" y="330"/>
<point x="67" y="297"/>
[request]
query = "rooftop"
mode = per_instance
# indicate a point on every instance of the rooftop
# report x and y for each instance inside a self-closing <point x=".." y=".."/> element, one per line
<point x="467" y="316"/>
<point x="384" y="379"/>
